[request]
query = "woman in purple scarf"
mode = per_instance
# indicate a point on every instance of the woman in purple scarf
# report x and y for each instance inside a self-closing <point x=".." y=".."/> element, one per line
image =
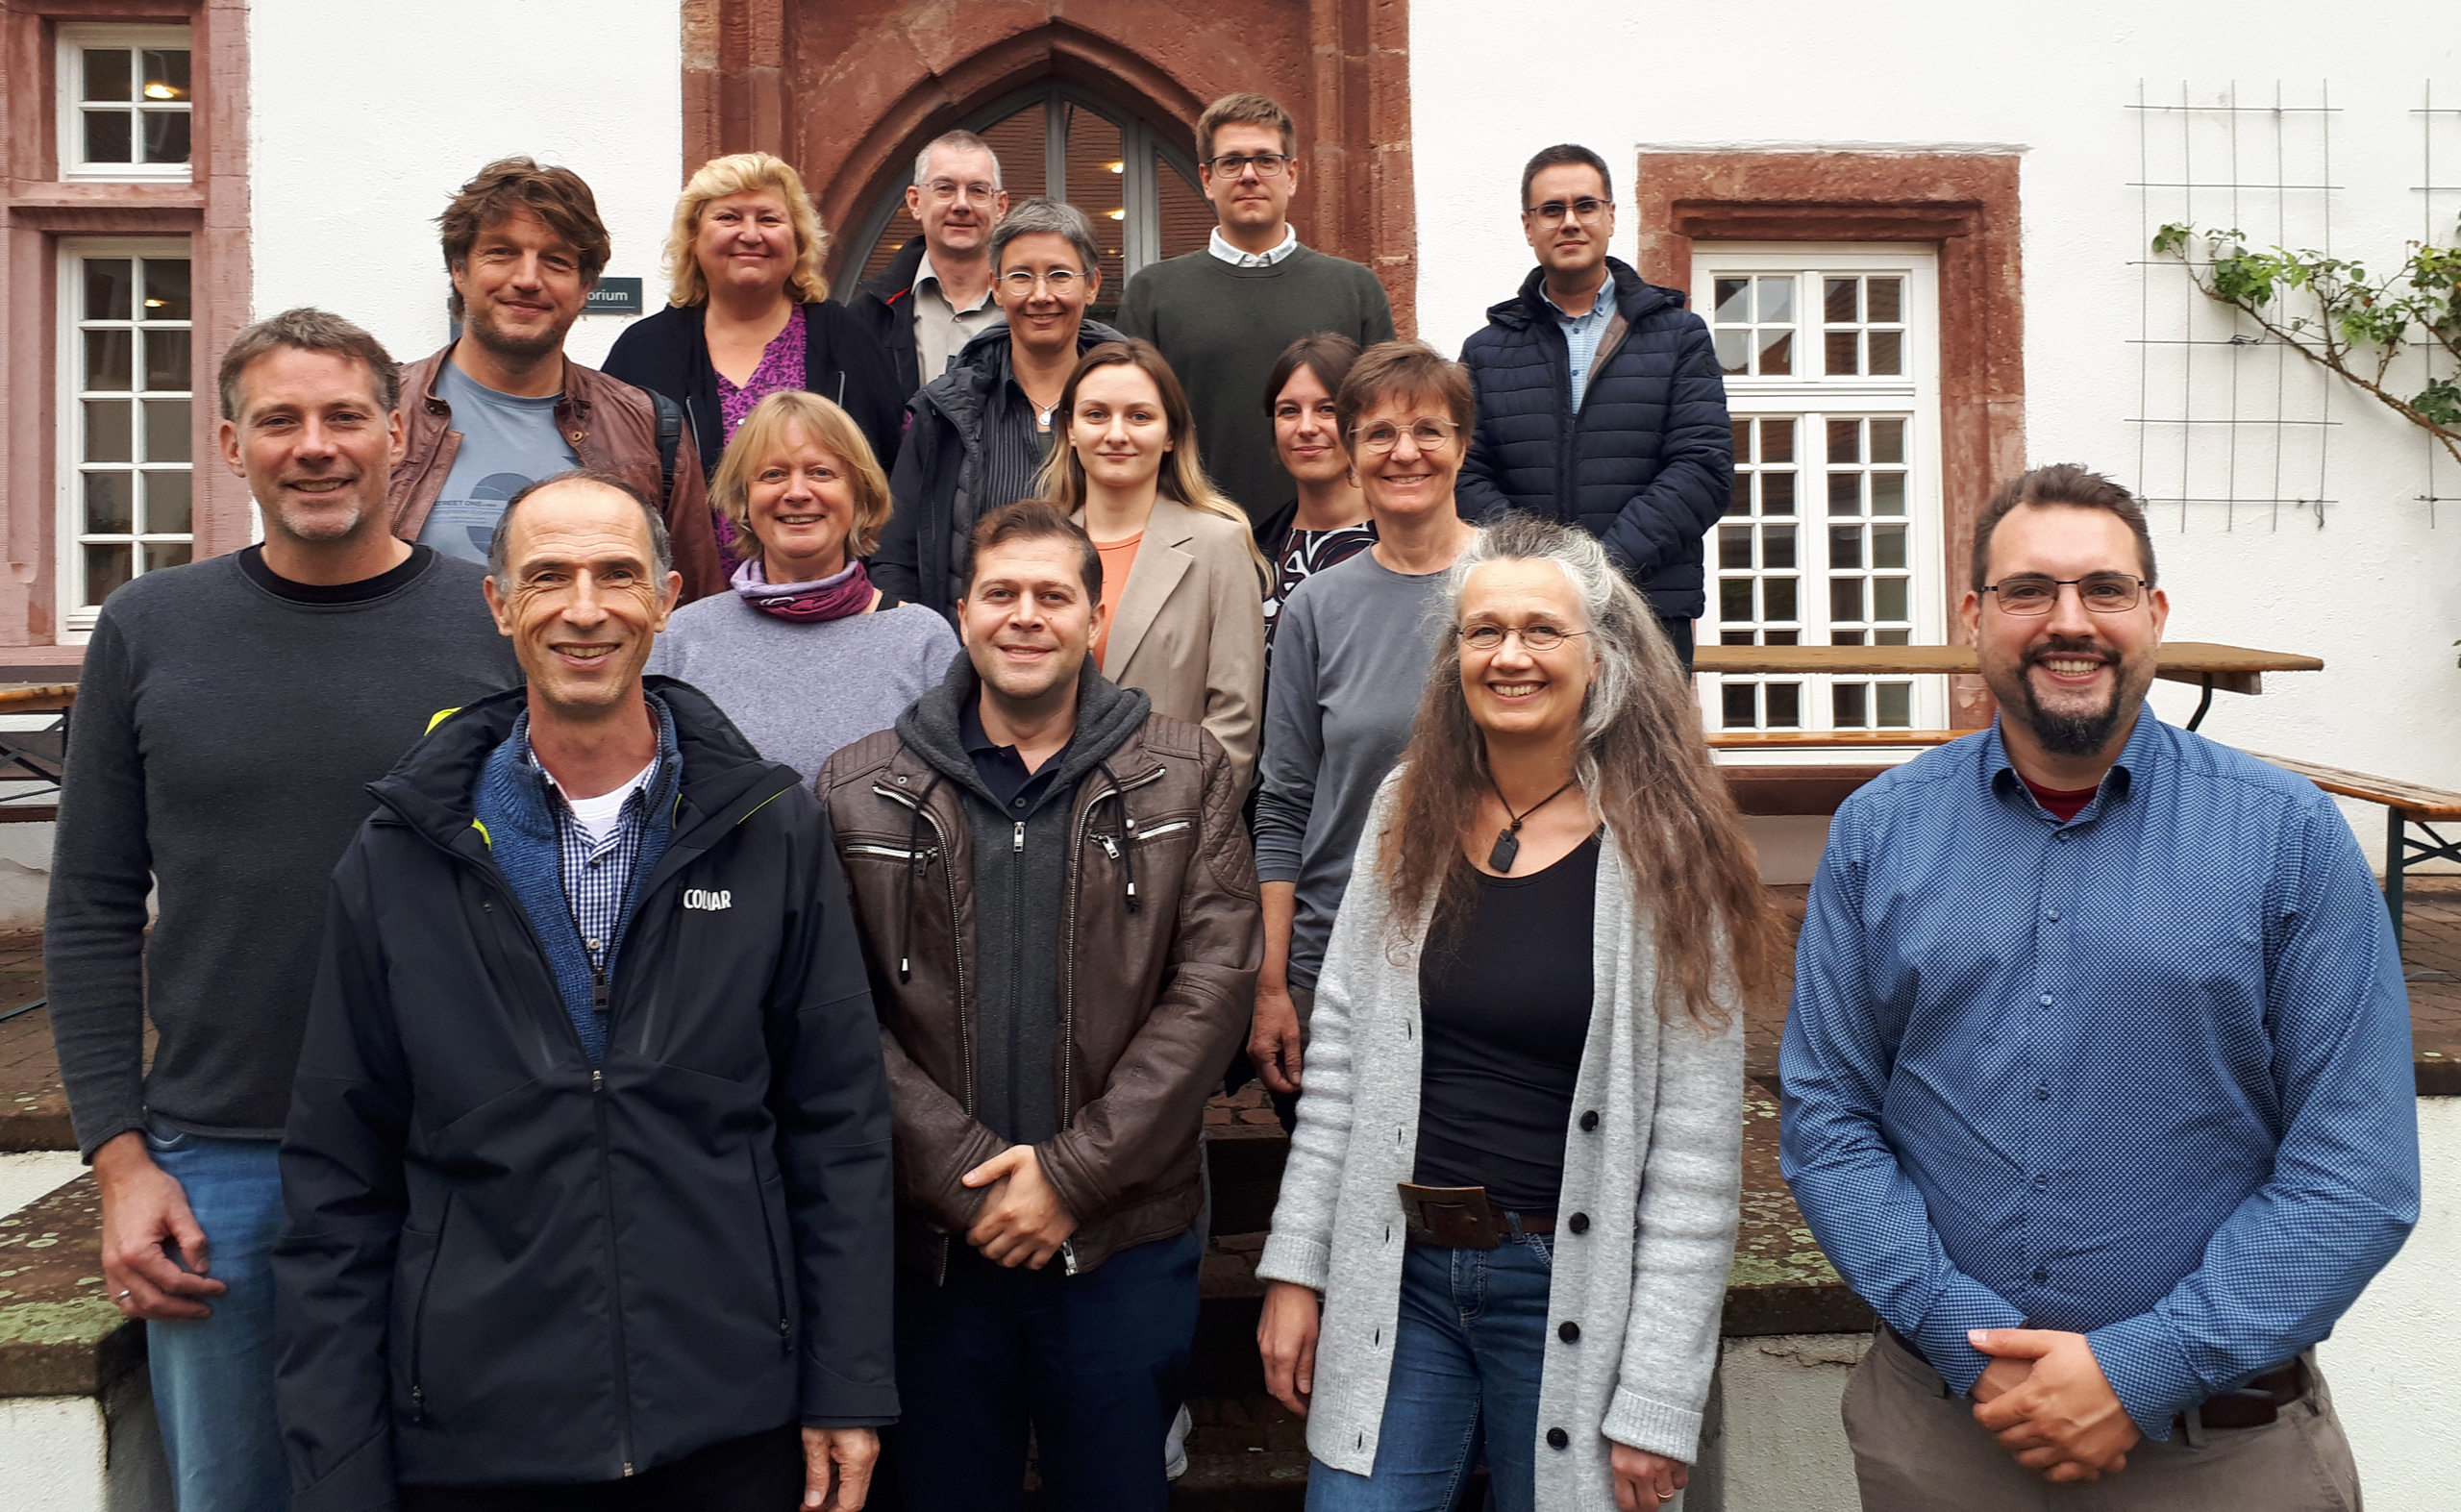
<point x="806" y="654"/>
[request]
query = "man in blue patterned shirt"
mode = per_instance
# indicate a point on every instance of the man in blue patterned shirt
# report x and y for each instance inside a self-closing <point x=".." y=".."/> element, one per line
<point x="2097" y="1072"/>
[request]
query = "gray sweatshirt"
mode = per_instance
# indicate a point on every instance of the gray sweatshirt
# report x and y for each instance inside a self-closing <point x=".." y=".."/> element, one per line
<point x="221" y="749"/>
<point x="1350" y="660"/>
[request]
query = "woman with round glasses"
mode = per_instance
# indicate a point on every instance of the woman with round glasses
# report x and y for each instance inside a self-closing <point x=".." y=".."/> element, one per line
<point x="1510" y="1204"/>
<point x="1351" y="651"/>
<point x="749" y="315"/>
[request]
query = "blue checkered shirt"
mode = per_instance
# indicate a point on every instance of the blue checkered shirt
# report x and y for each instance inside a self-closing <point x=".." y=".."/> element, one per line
<point x="597" y="875"/>
<point x="1583" y="333"/>
<point x="2144" y="1074"/>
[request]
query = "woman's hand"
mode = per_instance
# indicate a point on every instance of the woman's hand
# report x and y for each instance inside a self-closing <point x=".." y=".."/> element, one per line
<point x="1643" y="1481"/>
<point x="1287" y="1338"/>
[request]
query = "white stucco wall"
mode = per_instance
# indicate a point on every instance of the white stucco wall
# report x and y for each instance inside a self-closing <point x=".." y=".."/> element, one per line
<point x="2376" y="593"/>
<point x="364" y="119"/>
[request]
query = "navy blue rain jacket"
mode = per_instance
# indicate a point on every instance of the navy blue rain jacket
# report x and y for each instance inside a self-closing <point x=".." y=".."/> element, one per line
<point x="1647" y="465"/>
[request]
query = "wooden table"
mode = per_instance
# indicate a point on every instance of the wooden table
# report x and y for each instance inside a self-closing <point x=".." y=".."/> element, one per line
<point x="2233" y="669"/>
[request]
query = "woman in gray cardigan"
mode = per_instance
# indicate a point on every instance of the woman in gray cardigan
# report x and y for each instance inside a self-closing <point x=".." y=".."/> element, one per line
<point x="1511" y="1196"/>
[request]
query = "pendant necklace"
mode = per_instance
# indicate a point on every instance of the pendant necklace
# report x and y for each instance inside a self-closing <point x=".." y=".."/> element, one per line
<point x="1508" y="839"/>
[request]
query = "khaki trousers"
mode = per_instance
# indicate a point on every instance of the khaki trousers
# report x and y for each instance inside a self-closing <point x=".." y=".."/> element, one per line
<point x="1917" y="1448"/>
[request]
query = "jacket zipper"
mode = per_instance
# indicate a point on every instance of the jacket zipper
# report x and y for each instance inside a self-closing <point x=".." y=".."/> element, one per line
<point x="956" y="952"/>
<point x="614" y="1275"/>
<point x="1068" y="954"/>
<point x="418" y="1314"/>
<point x="769" y="1238"/>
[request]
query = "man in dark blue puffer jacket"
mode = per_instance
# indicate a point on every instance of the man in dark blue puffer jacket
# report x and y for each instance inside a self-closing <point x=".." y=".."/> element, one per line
<point x="1601" y="409"/>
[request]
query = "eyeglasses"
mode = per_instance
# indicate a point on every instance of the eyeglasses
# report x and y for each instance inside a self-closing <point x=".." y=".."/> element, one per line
<point x="1532" y="637"/>
<point x="948" y="191"/>
<point x="1231" y="165"/>
<point x="2030" y="594"/>
<point x="1429" y="435"/>
<point x="1586" y="207"/>
<point x="1061" y="281"/>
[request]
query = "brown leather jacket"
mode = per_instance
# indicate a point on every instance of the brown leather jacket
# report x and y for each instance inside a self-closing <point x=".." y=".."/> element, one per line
<point x="611" y="425"/>
<point x="1153" y="998"/>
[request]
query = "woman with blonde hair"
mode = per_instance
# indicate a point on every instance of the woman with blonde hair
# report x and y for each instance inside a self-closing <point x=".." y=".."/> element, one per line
<point x="1510" y="1204"/>
<point x="805" y="655"/>
<point x="748" y="314"/>
<point x="1181" y="573"/>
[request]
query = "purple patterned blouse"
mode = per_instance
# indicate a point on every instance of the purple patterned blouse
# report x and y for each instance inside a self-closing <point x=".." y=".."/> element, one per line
<point x="781" y="367"/>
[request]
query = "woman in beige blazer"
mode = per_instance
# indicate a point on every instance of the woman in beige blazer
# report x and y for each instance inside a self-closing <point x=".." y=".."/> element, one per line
<point x="1180" y="574"/>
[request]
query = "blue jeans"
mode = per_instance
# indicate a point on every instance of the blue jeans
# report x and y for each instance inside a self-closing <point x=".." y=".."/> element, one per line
<point x="213" y="1377"/>
<point x="1096" y="1365"/>
<point x="1468" y="1348"/>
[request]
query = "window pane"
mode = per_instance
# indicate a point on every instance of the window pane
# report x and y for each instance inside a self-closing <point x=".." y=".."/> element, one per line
<point x="1777" y="493"/>
<point x="1884" y="295"/>
<point x="1841" y="353"/>
<point x="1845" y="638"/>
<point x="1734" y="600"/>
<point x="1779" y="638"/>
<point x="1846" y="599"/>
<point x="106" y="569"/>
<point x="1187" y="216"/>
<point x="106" y="504"/>
<point x="160" y="555"/>
<point x="1839" y="300"/>
<point x="166" y="135"/>
<point x="1844" y="493"/>
<point x="107" y="289"/>
<point x="107" y="422"/>
<point x="1097" y="186"/>
<point x="1734" y="351"/>
<point x="1734" y="637"/>
<point x="1888" y="547"/>
<point x="166" y="359"/>
<point x="107" y="137"/>
<point x="1845" y="548"/>
<point x="1742" y="432"/>
<point x="1785" y="706"/>
<point x="1846" y="703"/>
<point x="166" y="504"/>
<point x="1890" y="637"/>
<point x="1777" y="299"/>
<point x="1777" y="351"/>
<point x="166" y="288"/>
<point x="166" y="73"/>
<point x="1777" y="440"/>
<point x="167" y="430"/>
<point x="107" y="363"/>
<point x="1888" y="493"/>
<point x="1896" y="702"/>
<point x="106" y="74"/>
<point x="1776" y="546"/>
<point x="1739" y="705"/>
<point x="1885" y="348"/>
<point x="1735" y="301"/>
<point x="1888" y="441"/>
<point x="1778" y="597"/>
<point x="1016" y="140"/>
<point x="1845" y="440"/>
<point x="1888" y="598"/>
<point x="1740" y="501"/>
<point x="1734" y="548"/>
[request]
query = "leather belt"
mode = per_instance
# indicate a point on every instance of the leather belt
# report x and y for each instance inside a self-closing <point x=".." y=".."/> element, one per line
<point x="2251" y="1406"/>
<point x="1462" y="1218"/>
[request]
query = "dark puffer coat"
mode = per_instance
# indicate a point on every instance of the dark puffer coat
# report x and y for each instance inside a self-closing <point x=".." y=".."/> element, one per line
<point x="1647" y="465"/>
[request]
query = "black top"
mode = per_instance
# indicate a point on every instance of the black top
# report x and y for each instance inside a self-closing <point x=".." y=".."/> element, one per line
<point x="252" y="561"/>
<point x="668" y="352"/>
<point x="1505" y="999"/>
<point x="1002" y="769"/>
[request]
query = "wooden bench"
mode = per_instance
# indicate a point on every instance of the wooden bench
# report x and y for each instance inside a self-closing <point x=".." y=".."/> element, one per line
<point x="2405" y="805"/>
<point x="1809" y="787"/>
<point x="39" y="755"/>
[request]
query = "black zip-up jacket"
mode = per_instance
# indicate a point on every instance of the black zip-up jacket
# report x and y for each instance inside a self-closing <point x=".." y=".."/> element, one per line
<point x="1649" y="463"/>
<point x="502" y="1265"/>
<point x="885" y="305"/>
<point x="669" y="354"/>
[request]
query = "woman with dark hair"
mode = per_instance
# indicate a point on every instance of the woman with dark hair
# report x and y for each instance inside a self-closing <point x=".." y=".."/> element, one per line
<point x="1180" y="574"/>
<point x="1538" y="975"/>
<point x="1327" y="522"/>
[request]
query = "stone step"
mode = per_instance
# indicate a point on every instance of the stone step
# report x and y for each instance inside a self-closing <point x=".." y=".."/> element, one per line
<point x="59" y="1335"/>
<point x="1248" y="1454"/>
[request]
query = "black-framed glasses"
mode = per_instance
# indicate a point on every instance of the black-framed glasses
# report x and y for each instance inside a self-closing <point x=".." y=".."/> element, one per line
<point x="2031" y="594"/>
<point x="1383" y="435"/>
<point x="1231" y="164"/>
<point x="1587" y="208"/>
<point x="1532" y="637"/>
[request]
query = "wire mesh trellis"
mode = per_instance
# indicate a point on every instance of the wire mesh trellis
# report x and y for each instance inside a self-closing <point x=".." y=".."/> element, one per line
<point x="2439" y="207"/>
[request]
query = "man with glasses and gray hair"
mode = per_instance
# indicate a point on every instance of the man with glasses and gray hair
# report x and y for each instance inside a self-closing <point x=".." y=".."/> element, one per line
<point x="977" y="434"/>
<point x="935" y="294"/>
<point x="2097" y="1078"/>
<point x="1599" y="400"/>
<point x="1223" y="315"/>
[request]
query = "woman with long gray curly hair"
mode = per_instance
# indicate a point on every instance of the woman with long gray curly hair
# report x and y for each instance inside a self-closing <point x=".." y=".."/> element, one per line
<point x="1522" y="1093"/>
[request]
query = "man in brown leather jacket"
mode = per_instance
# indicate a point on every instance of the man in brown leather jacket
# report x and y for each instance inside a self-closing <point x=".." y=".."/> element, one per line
<point x="502" y="406"/>
<point x="1060" y="910"/>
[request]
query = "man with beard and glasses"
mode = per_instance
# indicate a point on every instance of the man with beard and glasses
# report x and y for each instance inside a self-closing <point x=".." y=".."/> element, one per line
<point x="230" y="717"/>
<point x="2098" y="1073"/>
<point x="502" y="406"/>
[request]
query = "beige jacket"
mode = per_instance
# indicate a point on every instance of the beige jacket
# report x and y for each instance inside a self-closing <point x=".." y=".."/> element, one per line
<point x="1188" y="630"/>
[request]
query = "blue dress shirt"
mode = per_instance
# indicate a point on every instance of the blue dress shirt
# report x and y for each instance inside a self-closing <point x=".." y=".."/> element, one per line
<point x="2143" y="1075"/>
<point x="1583" y="333"/>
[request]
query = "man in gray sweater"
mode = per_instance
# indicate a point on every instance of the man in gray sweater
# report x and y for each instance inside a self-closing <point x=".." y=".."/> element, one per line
<point x="230" y="717"/>
<point x="1223" y="315"/>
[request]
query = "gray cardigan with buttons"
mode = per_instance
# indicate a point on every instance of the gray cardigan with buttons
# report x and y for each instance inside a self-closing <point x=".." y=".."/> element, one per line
<point x="1645" y="1235"/>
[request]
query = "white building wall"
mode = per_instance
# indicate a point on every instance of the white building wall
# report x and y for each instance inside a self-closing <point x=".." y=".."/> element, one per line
<point x="364" y="119"/>
<point x="2376" y="592"/>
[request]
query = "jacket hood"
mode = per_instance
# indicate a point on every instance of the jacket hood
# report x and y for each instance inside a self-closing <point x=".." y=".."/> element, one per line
<point x="1106" y="716"/>
<point x="434" y="787"/>
<point x="1634" y="297"/>
<point x="897" y="280"/>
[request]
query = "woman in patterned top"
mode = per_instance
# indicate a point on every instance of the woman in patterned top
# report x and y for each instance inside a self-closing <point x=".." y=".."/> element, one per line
<point x="1328" y="521"/>
<point x="749" y="315"/>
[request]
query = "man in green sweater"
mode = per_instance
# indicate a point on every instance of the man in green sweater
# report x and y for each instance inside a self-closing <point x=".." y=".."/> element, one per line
<point x="1223" y="315"/>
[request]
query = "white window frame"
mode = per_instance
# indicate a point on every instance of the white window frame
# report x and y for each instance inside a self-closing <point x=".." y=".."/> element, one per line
<point x="69" y="75"/>
<point x="76" y="618"/>
<point x="1813" y="397"/>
